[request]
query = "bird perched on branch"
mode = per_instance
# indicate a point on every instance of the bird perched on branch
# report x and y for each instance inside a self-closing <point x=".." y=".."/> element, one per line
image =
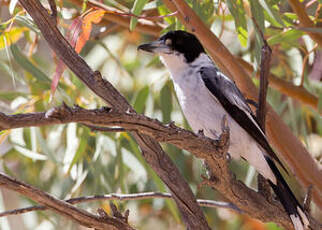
<point x="206" y="95"/>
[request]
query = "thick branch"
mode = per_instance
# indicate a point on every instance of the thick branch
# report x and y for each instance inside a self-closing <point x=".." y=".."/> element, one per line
<point x="305" y="21"/>
<point x="287" y="88"/>
<point x="78" y="215"/>
<point x="289" y="148"/>
<point x="213" y="151"/>
<point x="152" y="152"/>
<point x="122" y="197"/>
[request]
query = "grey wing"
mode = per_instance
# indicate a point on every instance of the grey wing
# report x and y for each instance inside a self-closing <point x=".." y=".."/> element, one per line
<point x="235" y="105"/>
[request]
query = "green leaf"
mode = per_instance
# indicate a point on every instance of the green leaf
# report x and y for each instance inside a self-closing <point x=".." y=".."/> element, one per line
<point x="30" y="154"/>
<point x="236" y="8"/>
<point x="24" y="62"/>
<point x="121" y="167"/>
<point x="12" y="36"/>
<point x="140" y="99"/>
<point x="72" y="144"/>
<point x="166" y="102"/>
<point x="11" y="95"/>
<point x="137" y="9"/>
<point x="285" y="37"/>
<point x="80" y="150"/>
<point x="164" y="11"/>
<point x="25" y="21"/>
<point x="258" y="14"/>
<point x="272" y="10"/>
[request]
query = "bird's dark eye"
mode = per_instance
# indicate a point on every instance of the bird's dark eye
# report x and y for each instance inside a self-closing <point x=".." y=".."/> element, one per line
<point x="168" y="42"/>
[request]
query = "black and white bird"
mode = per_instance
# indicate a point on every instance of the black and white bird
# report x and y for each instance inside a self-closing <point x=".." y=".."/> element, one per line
<point x="206" y="95"/>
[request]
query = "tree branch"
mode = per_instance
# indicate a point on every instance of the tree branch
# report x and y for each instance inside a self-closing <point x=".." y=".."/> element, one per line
<point x="143" y="26"/>
<point x="290" y="150"/>
<point x="122" y="197"/>
<point x="160" y="162"/>
<point x="63" y="208"/>
<point x="305" y="21"/>
<point x="213" y="151"/>
<point x="287" y="88"/>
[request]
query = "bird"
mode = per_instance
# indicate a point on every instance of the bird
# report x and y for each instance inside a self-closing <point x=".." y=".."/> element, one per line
<point x="206" y="95"/>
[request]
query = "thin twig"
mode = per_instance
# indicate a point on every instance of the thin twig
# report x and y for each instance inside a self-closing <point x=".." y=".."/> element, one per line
<point x="123" y="197"/>
<point x="264" y="72"/>
<point x="63" y="208"/>
<point x="53" y="9"/>
<point x="263" y="186"/>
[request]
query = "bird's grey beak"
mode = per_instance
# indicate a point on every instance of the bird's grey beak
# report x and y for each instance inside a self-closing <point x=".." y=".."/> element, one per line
<point x="155" y="47"/>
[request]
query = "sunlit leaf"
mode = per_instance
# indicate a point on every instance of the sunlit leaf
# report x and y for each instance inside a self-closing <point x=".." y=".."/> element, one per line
<point x="72" y="142"/>
<point x="12" y="6"/>
<point x="80" y="151"/>
<point x="30" y="154"/>
<point x="285" y="37"/>
<point x="236" y="8"/>
<point x="137" y="9"/>
<point x="94" y="16"/>
<point x="140" y="99"/>
<point x="12" y="36"/>
<point x="270" y="8"/>
<point x="79" y="181"/>
<point x="25" y="21"/>
<point x="164" y="11"/>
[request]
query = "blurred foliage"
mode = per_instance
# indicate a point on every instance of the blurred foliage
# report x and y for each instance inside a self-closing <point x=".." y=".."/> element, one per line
<point x="70" y="160"/>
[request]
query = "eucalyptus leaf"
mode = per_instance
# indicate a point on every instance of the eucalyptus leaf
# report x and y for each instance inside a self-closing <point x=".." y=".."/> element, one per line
<point x="137" y="9"/>
<point x="140" y="99"/>
<point x="166" y="103"/>
<point x="236" y="8"/>
<point x="24" y="62"/>
<point x="30" y="154"/>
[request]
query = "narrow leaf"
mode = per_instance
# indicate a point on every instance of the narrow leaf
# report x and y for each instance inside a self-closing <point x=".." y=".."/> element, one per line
<point x="140" y="99"/>
<point x="272" y="11"/>
<point x="12" y="6"/>
<point x="166" y="103"/>
<point x="285" y="37"/>
<point x="137" y="9"/>
<point x="258" y="14"/>
<point x="236" y="8"/>
<point x="24" y="62"/>
<point x="12" y="36"/>
<point x="30" y="154"/>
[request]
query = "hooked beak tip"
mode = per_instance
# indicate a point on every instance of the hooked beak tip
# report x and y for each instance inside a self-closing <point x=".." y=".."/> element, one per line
<point x="146" y="47"/>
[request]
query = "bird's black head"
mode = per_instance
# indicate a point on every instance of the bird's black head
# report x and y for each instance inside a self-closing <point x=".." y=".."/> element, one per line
<point x="176" y="42"/>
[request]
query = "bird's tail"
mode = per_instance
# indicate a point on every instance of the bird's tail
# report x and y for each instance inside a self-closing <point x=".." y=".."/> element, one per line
<point x="288" y="200"/>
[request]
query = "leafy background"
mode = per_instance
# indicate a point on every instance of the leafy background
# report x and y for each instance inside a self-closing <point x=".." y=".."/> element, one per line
<point x="71" y="160"/>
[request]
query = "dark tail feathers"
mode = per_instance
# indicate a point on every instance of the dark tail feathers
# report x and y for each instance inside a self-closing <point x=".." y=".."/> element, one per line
<point x="288" y="200"/>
